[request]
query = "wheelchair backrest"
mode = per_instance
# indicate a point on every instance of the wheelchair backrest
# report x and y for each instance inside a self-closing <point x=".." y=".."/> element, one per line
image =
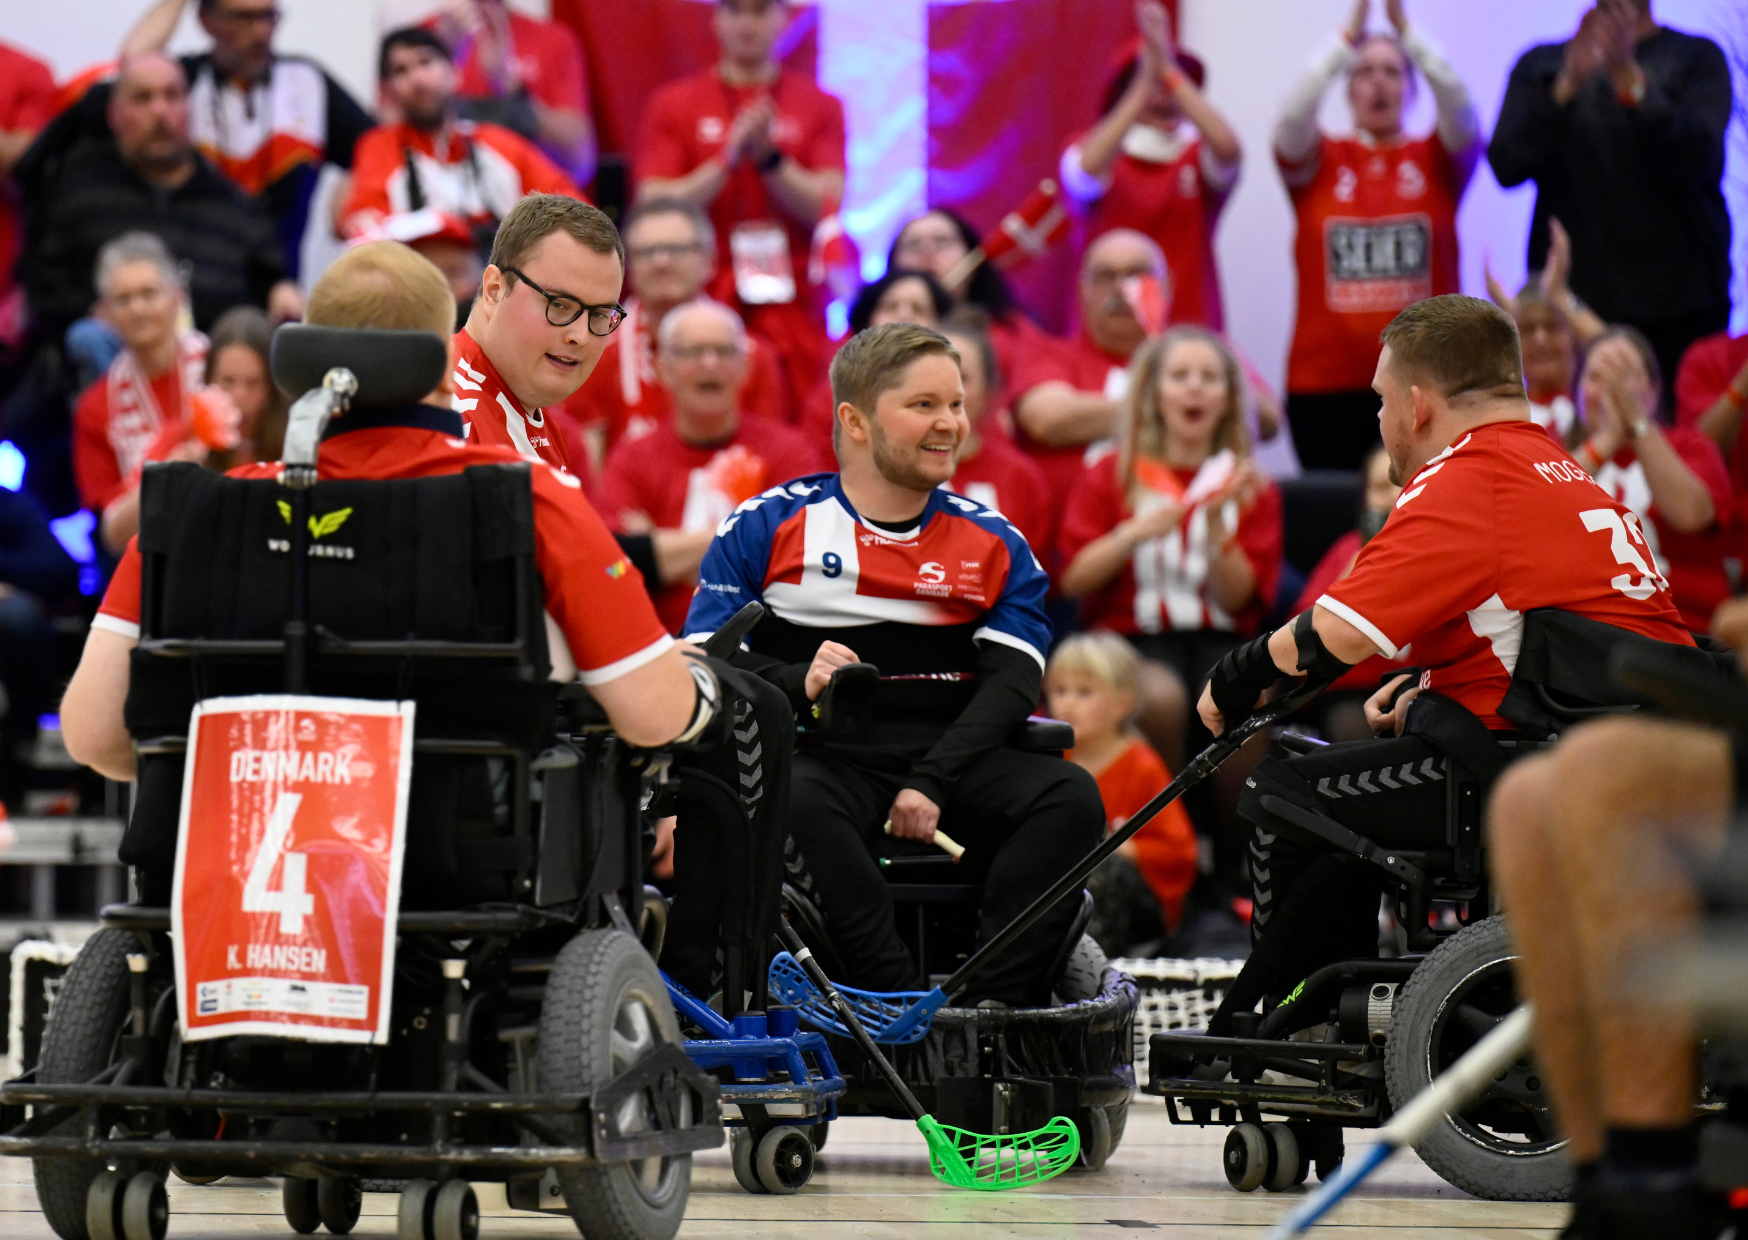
<point x="422" y="588"/>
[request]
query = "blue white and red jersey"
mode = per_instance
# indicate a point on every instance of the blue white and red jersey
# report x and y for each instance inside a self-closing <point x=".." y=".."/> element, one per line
<point x="913" y="602"/>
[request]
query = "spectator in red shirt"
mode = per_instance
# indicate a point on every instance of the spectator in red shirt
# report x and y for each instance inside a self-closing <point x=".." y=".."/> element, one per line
<point x="670" y="251"/>
<point x="1552" y="325"/>
<point x="145" y="391"/>
<point x="1674" y="480"/>
<point x="684" y="478"/>
<point x="1139" y="893"/>
<point x="991" y="470"/>
<point x="763" y="149"/>
<point x="1161" y="161"/>
<point x="1377" y="223"/>
<point x="432" y="160"/>
<point x="1711" y="393"/>
<point x="524" y="74"/>
<point x="27" y="96"/>
<point x="1072" y="395"/>
<point x="244" y="415"/>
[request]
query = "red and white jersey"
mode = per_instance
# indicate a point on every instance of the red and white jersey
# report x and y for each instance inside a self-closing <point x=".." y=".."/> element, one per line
<point x="491" y="414"/>
<point x="659" y="480"/>
<point x="1165" y="586"/>
<point x="1377" y="233"/>
<point x="474" y="171"/>
<point x="1500" y="522"/>
<point x="258" y="134"/>
<point x="593" y="593"/>
<point x="121" y="415"/>
<point x="1168" y="186"/>
<point x="1693" y="563"/>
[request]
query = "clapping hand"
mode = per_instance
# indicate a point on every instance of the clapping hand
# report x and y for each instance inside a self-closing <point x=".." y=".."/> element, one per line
<point x="749" y="133"/>
<point x="1398" y="16"/>
<point x="1156" y="37"/>
<point x="1355" y="30"/>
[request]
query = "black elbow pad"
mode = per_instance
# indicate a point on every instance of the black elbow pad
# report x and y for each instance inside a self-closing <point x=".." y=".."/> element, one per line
<point x="1315" y="661"/>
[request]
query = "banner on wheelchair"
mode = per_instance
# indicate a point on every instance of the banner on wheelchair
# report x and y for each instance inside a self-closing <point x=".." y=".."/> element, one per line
<point x="288" y="866"/>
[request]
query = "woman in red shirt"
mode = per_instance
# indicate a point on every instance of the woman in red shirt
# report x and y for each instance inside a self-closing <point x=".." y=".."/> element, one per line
<point x="1674" y="479"/>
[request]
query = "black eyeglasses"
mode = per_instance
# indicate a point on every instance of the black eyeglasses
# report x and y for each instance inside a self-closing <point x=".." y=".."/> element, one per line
<point x="562" y="309"/>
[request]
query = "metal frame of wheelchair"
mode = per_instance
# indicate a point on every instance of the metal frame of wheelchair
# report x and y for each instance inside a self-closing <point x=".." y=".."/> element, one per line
<point x="421" y="1114"/>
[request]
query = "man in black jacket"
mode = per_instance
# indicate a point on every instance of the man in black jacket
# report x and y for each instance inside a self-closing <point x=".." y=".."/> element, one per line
<point x="1622" y="129"/>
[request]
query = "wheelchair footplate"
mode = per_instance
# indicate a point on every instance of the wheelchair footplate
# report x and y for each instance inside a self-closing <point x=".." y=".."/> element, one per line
<point x="779" y="1085"/>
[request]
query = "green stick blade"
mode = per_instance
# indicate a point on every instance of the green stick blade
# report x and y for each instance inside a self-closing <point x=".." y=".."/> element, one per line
<point x="994" y="1164"/>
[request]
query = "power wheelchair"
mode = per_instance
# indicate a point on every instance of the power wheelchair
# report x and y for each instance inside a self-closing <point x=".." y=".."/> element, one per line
<point x="1359" y="1038"/>
<point x="994" y="1070"/>
<point x="531" y="1040"/>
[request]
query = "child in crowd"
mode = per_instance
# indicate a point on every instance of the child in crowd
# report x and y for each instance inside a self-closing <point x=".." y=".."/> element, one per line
<point x="1139" y="892"/>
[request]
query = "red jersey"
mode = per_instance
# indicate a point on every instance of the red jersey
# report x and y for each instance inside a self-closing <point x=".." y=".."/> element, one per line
<point x="1693" y="564"/>
<point x="585" y="576"/>
<point x="121" y="415"/>
<point x="27" y="103"/>
<point x="1377" y="233"/>
<point x="1707" y="368"/>
<point x="1500" y="522"/>
<point x="548" y="61"/>
<point x="686" y="123"/>
<point x="624" y="398"/>
<point x="660" y="480"/>
<point x="1165" y="586"/>
<point x="1002" y="478"/>
<point x="1159" y="185"/>
<point x="1367" y="673"/>
<point x="1082" y="365"/>
<point x="1165" y="849"/>
<point x="474" y="171"/>
<point x="491" y="414"/>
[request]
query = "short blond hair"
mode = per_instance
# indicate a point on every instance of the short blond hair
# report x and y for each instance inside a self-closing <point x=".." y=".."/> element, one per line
<point x="383" y="284"/>
<point x="1102" y="657"/>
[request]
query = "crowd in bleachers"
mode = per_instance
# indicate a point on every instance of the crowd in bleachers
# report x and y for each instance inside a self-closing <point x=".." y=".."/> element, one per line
<point x="155" y="209"/>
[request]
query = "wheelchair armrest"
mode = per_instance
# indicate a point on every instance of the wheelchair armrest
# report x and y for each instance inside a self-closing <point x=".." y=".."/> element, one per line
<point x="1039" y="734"/>
<point x="846" y="704"/>
<point x="1299" y="743"/>
<point x="723" y="643"/>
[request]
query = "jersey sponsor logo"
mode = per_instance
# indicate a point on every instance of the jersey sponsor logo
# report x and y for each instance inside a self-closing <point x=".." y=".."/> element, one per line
<point x="932" y="572"/>
<point x="1346" y="183"/>
<point x="710" y="129"/>
<point x="1377" y="264"/>
<point x="1189" y="182"/>
<point x="1410" y="180"/>
<point x="619" y="568"/>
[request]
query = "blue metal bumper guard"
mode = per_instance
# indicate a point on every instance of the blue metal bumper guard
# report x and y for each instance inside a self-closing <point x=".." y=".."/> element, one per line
<point x="768" y="1056"/>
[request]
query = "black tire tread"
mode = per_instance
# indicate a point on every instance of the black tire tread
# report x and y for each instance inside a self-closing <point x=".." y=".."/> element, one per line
<point x="1455" y="1159"/>
<point x="76" y="1045"/>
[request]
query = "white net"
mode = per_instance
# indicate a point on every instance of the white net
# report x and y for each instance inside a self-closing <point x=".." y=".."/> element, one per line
<point x="1175" y="995"/>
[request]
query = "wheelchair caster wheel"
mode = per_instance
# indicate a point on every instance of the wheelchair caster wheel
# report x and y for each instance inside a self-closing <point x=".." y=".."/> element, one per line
<point x="145" y="1208"/>
<point x="817" y="1134"/>
<point x="1286" y="1165"/>
<point x="455" y="1212"/>
<point x="297" y="1197"/>
<point x="339" y="1202"/>
<point x="103" y="1206"/>
<point x="784" y="1161"/>
<point x="1246" y="1157"/>
<point x="743" y="1149"/>
<point x="413" y="1217"/>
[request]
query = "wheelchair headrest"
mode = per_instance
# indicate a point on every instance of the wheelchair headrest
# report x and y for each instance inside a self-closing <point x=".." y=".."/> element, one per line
<point x="392" y="367"/>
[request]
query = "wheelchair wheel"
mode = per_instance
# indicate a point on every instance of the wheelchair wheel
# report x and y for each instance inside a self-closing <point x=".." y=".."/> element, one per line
<point x="297" y="1200"/>
<point x="1504" y="1145"/>
<point x="78" y="1042"/>
<point x="606" y="1009"/>
<point x="784" y="1160"/>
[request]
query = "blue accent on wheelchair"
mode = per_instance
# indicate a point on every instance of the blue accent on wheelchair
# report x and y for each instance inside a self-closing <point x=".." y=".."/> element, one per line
<point x="772" y="1060"/>
<point x="893" y="1017"/>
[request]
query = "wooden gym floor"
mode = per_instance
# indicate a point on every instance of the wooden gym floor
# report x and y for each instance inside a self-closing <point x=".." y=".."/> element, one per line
<point x="873" y="1183"/>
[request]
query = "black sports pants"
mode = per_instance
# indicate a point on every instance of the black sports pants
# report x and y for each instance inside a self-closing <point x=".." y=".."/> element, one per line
<point x="1024" y="819"/>
<point x="1315" y="905"/>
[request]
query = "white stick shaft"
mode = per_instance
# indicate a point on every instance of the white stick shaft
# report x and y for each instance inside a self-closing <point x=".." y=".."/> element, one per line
<point x="1462" y="1081"/>
<point x="946" y="843"/>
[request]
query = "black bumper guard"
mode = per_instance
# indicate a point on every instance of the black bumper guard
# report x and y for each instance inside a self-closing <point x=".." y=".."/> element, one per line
<point x="1358" y="1101"/>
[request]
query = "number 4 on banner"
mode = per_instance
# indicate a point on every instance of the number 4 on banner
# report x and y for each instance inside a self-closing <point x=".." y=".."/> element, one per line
<point x="291" y="901"/>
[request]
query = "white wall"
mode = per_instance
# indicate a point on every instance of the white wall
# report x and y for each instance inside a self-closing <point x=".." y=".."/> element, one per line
<point x="1257" y="49"/>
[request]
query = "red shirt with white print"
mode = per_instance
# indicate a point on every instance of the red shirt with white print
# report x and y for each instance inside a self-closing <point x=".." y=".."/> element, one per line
<point x="121" y="415"/>
<point x="1707" y="368"/>
<point x="593" y="594"/>
<point x="1500" y="522"/>
<point x="1003" y="478"/>
<point x="474" y="171"/>
<point x="661" y="481"/>
<point x="625" y="398"/>
<point x="1164" y="588"/>
<point x="491" y="414"/>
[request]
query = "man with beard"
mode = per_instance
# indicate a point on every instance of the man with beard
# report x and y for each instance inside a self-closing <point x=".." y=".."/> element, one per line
<point x="434" y="161"/>
<point x="877" y="564"/>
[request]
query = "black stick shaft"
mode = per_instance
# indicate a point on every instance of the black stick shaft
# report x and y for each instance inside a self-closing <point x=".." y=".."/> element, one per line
<point x="297" y="626"/>
<point x="1200" y="767"/>
<point x="804" y="957"/>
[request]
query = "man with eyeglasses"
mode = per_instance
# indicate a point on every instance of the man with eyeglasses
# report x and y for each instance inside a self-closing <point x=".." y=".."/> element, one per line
<point x="680" y="481"/>
<point x="670" y="252"/>
<point x="268" y="122"/>
<point x="1072" y="395"/>
<point x="548" y="300"/>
